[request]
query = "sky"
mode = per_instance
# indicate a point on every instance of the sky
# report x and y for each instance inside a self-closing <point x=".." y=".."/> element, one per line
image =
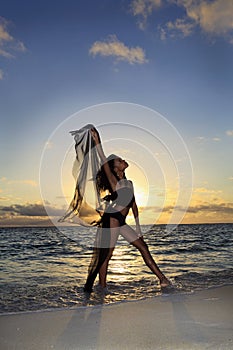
<point x="164" y="66"/>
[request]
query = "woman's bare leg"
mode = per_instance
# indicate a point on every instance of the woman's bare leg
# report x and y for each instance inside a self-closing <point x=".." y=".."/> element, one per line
<point x="104" y="268"/>
<point x="131" y="236"/>
<point x="114" y="224"/>
<point x="143" y="248"/>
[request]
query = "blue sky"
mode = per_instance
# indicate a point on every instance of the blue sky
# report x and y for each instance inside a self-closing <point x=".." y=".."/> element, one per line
<point x="173" y="56"/>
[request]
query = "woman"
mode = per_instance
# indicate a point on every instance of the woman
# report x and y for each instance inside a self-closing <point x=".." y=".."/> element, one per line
<point x="111" y="177"/>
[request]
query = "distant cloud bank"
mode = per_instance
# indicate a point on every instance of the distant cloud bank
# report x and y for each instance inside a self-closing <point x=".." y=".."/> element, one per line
<point x="36" y="214"/>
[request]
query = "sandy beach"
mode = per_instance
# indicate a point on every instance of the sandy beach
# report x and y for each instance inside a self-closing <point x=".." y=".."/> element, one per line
<point x="203" y="320"/>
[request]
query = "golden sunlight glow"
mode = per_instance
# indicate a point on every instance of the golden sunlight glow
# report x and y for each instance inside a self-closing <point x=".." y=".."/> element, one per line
<point x="156" y="194"/>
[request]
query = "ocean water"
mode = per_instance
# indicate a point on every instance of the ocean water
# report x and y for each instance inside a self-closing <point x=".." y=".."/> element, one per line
<point x="44" y="268"/>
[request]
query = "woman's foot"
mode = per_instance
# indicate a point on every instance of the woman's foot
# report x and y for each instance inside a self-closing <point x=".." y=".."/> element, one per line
<point x="164" y="282"/>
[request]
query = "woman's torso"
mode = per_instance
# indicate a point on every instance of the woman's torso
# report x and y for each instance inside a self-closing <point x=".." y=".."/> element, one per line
<point x="123" y="196"/>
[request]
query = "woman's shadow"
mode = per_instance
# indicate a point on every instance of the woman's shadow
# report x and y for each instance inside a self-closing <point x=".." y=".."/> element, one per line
<point x="188" y="329"/>
<point x="83" y="328"/>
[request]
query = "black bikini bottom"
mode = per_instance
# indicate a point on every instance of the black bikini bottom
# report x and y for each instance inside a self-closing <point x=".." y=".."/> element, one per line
<point x="117" y="215"/>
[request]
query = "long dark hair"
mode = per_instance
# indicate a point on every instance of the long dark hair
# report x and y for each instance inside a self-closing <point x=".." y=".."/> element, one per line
<point x="102" y="182"/>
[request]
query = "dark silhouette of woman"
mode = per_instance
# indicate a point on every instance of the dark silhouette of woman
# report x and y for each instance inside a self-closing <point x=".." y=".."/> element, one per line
<point x="120" y="199"/>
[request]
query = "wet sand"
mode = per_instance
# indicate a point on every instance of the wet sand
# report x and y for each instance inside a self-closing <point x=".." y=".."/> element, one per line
<point x="203" y="320"/>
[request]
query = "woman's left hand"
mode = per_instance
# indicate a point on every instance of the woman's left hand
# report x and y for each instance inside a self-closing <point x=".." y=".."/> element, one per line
<point x="95" y="135"/>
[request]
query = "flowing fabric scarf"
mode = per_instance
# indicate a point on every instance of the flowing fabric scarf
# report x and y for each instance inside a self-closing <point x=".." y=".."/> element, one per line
<point x="87" y="207"/>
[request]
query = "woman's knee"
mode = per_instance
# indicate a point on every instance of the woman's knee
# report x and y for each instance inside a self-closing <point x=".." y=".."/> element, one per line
<point x="140" y="245"/>
<point x="110" y="254"/>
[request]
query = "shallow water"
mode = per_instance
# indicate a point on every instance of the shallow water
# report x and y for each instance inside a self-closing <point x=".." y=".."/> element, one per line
<point x="44" y="268"/>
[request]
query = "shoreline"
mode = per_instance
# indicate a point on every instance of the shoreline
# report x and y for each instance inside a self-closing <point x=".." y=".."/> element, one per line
<point x="198" y="320"/>
<point x="124" y="301"/>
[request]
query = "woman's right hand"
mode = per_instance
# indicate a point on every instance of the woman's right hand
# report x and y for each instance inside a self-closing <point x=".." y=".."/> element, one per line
<point x="95" y="135"/>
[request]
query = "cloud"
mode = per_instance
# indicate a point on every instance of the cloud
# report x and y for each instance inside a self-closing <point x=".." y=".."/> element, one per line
<point x="3" y="178"/>
<point x="24" y="210"/>
<point x="203" y="139"/>
<point x="180" y="26"/>
<point x="142" y="9"/>
<point x="19" y="182"/>
<point x="220" y="208"/>
<point x="9" y="220"/>
<point x="202" y="209"/>
<point x="40" y="209"/>
<point x="8" y="44"/>
<point x="35" y="214"/>
<point x="34" y="209"/>
<point x="4" y="199"/>
<point x="23" y="182"/>
<point x="5" y="37"/>
<point x="113" y="47"/>
<point x="206" y="190"/>
<point x="214" y="17"/>
<point x="229" y="132"/>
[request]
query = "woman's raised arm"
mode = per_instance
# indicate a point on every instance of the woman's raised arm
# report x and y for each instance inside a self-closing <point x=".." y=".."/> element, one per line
<point x="111" y="178"/>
